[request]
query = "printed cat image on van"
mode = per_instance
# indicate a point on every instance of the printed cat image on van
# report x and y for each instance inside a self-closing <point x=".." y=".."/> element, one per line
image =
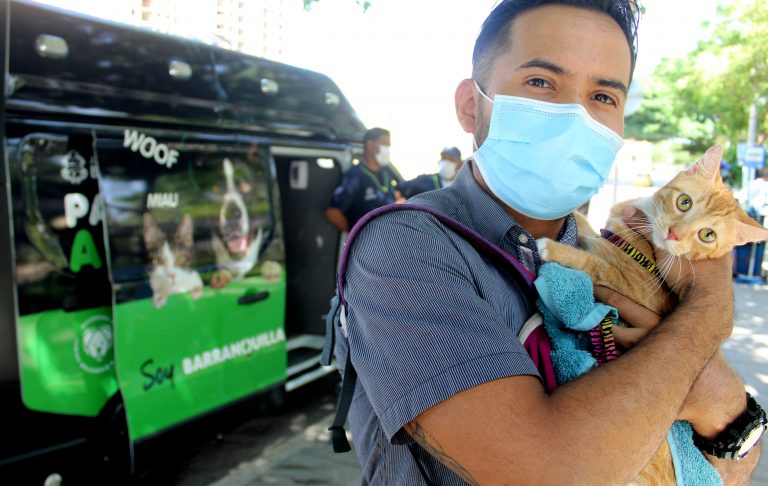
<point x="235" y="245"/>
<point x="171" y="269"/>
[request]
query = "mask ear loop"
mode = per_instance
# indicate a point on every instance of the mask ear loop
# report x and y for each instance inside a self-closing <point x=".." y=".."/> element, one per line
<point x="480" y="90"/>
<point x="475" y="146"/>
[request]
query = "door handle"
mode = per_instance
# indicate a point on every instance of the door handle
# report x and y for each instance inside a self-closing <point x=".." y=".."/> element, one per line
<point x="252" y="298"/>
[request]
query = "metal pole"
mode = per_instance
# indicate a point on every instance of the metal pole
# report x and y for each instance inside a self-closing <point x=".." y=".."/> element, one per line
<point x="751" y="142"/>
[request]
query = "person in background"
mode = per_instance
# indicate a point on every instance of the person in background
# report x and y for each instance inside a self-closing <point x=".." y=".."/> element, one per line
<point x="366" y="186"/>
<point x="447" y="168"/>
<point x="758" y="196"/>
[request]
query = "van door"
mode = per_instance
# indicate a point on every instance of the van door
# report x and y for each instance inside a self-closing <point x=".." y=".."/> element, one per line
<point x="198" y="272"/>
<point x="64" y="326"/>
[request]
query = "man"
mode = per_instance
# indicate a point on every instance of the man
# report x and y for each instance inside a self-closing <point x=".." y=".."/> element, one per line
<point x="365" y="186"/>
<point x="758" y="196"/>
<point x="432" y="326"/>
<point x="447" y="168"/>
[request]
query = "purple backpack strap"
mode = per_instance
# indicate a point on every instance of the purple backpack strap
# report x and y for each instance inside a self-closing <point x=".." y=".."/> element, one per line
<point x="482" y="245"/>
<point x="503" y="259"/>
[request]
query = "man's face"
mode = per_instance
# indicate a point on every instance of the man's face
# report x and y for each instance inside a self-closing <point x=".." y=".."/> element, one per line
<point x="563" y="54"/>
<point x="451" y="157"/>
<point x="375" y="144"/>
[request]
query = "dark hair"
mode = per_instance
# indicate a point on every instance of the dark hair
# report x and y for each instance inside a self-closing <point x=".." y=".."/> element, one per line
<point x="494" y="33"/>
<point x="373" y="134"/>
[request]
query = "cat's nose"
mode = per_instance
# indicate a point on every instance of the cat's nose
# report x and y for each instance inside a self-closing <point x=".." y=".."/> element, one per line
<point x="671" y="235"/>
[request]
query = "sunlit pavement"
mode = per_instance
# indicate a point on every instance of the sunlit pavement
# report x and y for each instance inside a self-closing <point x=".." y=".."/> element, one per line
<point x="747" y="351"/>
<point x="305" y="458"/>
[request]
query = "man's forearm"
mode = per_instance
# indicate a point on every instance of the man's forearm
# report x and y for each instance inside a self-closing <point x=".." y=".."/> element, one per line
<point x="643" y="391"/>
<point x="716" y="398"/>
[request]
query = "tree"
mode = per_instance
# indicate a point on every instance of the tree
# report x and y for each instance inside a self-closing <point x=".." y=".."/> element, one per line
<point x="705" y="96"/>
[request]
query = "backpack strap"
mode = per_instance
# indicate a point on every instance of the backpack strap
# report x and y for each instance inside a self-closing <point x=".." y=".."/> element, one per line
<point x="339" y="304"/>
<point x="482" y="245"/>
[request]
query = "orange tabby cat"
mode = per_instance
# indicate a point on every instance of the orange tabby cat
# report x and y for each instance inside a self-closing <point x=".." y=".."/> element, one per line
<point x="695" y="217"/>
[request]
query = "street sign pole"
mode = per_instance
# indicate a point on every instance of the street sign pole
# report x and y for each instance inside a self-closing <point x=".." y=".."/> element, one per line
<point x="754" y="158"/>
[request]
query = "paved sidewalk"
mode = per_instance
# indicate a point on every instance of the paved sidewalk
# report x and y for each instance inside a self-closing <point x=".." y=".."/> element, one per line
<point x="747" y="351"/>
<point x="307" y="457"/>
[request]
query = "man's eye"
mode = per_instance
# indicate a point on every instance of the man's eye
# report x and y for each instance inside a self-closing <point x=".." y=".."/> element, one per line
<point x="539" y="83"/>
<point x="604" y="98"/>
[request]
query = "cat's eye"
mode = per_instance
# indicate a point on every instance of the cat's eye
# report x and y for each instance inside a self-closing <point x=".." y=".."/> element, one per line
<point x="707" y="235"/>
<point x="684" y="203"/>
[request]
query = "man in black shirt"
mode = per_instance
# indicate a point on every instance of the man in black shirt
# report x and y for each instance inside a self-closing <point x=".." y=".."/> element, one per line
<point x="366" y="186"/>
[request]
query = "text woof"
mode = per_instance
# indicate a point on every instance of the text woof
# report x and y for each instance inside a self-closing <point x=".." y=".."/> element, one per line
<point x="149" y="148"/>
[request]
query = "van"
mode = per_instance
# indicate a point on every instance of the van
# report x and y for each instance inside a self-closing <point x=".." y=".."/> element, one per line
<point x="164" y="253"/>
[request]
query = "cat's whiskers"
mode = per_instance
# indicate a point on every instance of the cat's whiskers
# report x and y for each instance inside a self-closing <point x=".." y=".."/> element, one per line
<point x="693" y="272"/>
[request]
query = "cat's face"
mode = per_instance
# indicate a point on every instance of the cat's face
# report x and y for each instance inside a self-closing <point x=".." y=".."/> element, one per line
<point x="164" y="254"/>
<point x="695" y="215"/>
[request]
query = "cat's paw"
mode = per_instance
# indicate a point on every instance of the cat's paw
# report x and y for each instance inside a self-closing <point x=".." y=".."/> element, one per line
<point x="196" y="293"/>
<point x="542" y="244"/>
<point x="159" y="300"/>
<point x="220" y="278"/>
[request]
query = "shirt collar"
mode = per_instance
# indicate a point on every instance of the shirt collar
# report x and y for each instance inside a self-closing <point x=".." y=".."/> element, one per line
<point x="488" y="217"/>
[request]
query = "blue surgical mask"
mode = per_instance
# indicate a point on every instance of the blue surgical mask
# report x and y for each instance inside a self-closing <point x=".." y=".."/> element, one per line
<point x="542" y="159"/>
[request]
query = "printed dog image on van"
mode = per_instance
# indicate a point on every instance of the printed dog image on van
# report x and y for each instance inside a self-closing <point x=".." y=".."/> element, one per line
<point x="171" y="269"/>
<point x="235" y="246"/>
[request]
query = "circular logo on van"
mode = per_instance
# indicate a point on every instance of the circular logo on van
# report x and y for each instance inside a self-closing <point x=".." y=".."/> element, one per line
<point x="93" y="345"/>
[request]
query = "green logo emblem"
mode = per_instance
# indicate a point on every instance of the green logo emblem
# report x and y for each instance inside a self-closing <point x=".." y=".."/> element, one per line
<point x="93" y="345"/>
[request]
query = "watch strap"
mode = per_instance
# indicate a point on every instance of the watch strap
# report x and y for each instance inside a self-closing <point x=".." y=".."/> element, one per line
<point x="730" y="442"/>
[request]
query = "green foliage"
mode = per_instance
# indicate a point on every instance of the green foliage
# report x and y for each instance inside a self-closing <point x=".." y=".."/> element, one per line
<point x="704" y="97"/>
<point x="364" y="4"/>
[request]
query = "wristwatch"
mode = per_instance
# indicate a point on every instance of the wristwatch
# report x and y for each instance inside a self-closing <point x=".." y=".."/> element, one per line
<point x="740" y="437"/>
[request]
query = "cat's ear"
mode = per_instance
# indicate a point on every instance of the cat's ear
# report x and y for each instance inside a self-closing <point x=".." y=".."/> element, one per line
<point x="153" y="235"/>
<point x="748" y="233"/>
<point x="184" y="231"/>
<point x="708" y="167"/>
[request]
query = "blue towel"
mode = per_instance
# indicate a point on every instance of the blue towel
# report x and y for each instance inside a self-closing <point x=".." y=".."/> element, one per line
<point x="567" y="304"/>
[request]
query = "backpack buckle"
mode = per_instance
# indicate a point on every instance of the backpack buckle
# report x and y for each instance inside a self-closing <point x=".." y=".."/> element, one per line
<point x="343" y="321"/>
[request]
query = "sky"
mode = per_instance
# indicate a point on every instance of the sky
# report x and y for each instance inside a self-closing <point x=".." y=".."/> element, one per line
<point x="399" y="62"/>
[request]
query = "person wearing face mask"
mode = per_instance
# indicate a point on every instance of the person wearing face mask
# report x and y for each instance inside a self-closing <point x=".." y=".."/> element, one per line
<point x="446" y="393"/>
<point x="367" y="185"/>
<point x="447" y="168"/>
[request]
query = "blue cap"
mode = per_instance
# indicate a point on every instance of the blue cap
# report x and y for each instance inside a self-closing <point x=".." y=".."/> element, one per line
<point x="451" y="150"/>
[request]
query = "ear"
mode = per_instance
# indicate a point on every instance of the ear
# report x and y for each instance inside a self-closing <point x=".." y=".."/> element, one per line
<point x="465" y="101"/>
<point x="748" y="233"/>
<point x="153" y="235"/>
<point x="184" y="231"/>
<point x="708" y="167"/>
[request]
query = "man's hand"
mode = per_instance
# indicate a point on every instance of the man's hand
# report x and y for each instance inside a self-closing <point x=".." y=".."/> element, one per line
<point x="640" y="319"/>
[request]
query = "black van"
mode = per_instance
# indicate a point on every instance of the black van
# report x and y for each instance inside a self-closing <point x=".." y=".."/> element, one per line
<point x="164" y="251"/>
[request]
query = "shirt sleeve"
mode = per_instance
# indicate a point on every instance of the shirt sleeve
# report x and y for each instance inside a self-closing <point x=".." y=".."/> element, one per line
<point x="344" y="195"/>
<point x="419" y="332"/>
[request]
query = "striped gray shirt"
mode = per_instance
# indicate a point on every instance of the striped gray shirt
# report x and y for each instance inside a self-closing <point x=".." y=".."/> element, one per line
<point x="429" y="317"/>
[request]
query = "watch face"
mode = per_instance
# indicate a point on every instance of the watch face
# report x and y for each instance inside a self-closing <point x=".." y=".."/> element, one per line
<point x="751" y="440"/>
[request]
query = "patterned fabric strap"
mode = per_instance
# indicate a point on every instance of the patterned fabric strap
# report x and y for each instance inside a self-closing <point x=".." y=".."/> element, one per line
<point x="603" y="344"/>
<point x="601" y="337"/>
<point x="633" y="252"/>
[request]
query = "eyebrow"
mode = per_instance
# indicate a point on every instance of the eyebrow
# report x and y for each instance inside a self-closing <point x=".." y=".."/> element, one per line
<point x="554" y="68"/>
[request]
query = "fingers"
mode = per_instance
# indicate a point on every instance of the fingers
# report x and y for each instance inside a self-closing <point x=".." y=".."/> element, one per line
<point x="635" y="219"/>
<point x="627" y="337"/>
<point x="631" y="312"/>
